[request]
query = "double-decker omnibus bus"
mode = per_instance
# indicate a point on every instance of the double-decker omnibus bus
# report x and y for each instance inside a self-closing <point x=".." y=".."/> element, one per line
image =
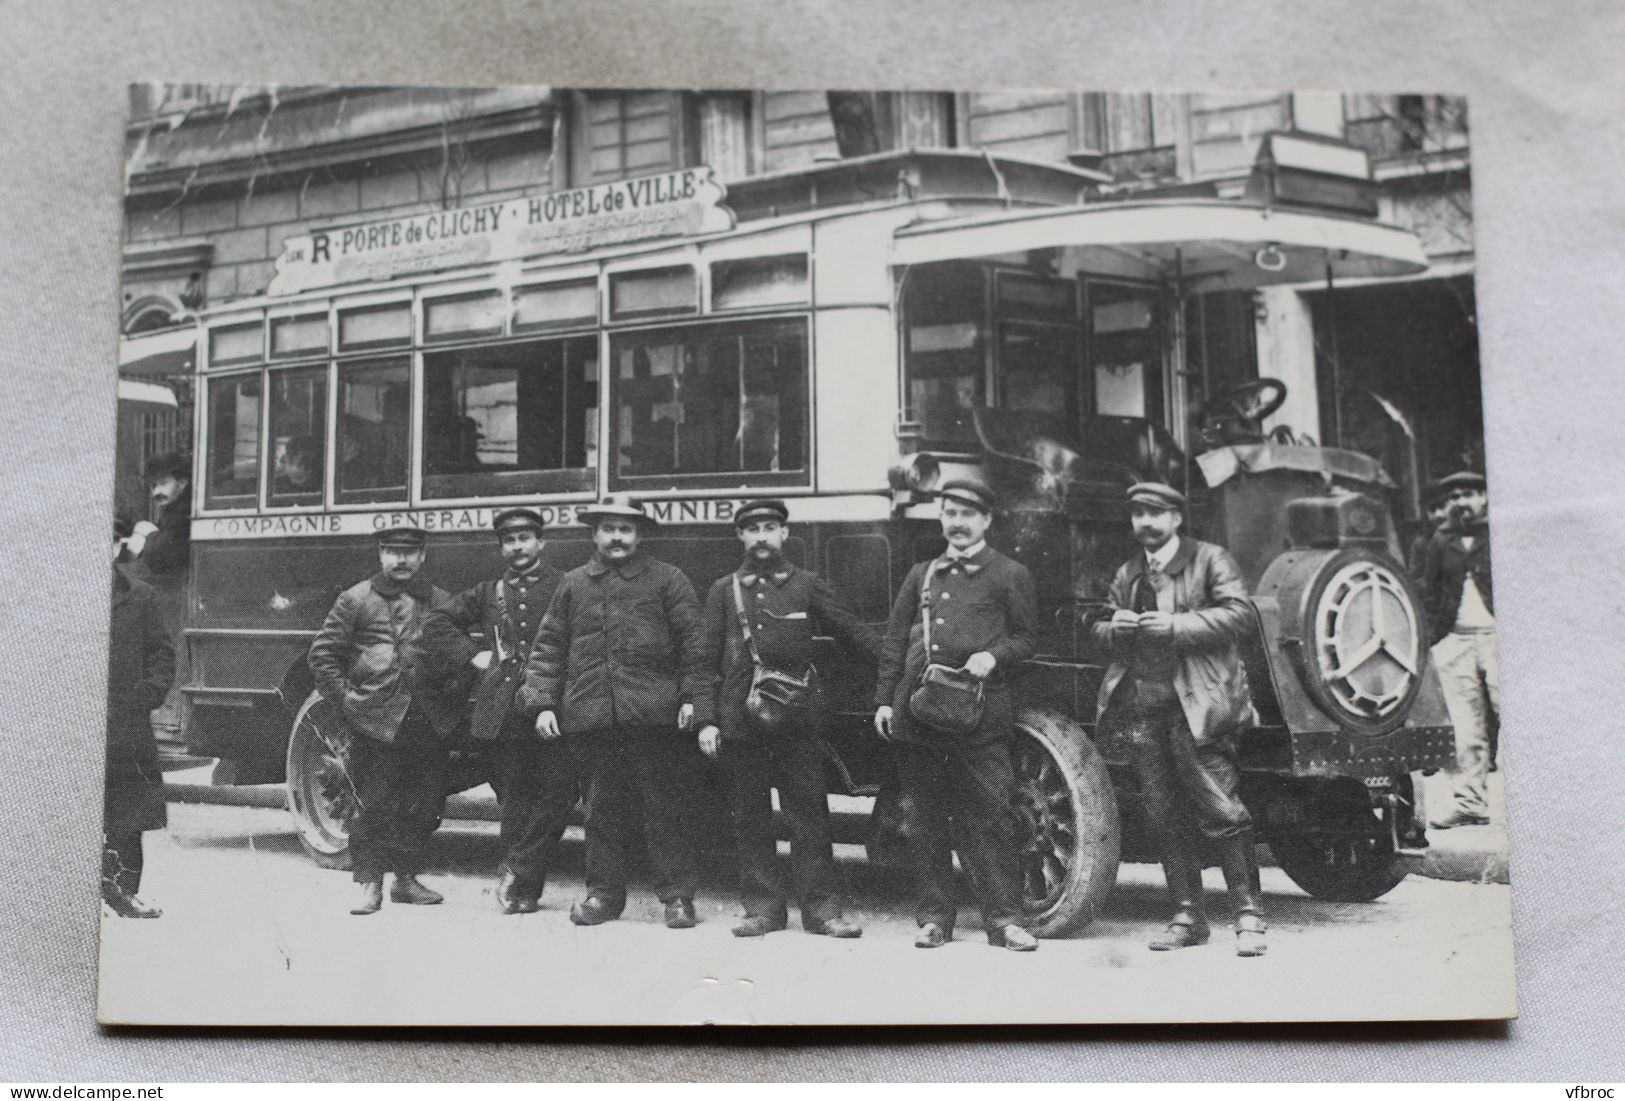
<point x="844" y="337"/>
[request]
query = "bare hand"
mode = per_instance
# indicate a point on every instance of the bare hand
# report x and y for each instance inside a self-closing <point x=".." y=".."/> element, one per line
<point x="883" y="722"/>
<point x="685" y="716"/>
<point x="481" y="660"/>
<point x="1157" y="624"/>
<point x="710" y="741"/>
<point x="1124" y="620"/>
<point x="547" y="725"/>
<point x="980" y="664"/>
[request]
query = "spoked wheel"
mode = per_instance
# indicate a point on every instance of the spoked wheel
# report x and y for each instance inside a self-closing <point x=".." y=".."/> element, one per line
<point x="321" y="796"/>
<point x="1069" y="832"/>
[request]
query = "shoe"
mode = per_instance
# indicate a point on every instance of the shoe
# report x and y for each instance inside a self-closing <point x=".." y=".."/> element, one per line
<point x="1013" y="937"/>
<point x="1250" y="935"/>
<point x="129" y="906"/>
<point x="1187" y="930"/>
<point x="1459" y="819"/>
<point x="932" y="935"/>
<point x="596" y="909"/>
<point x="839" y="928"/>
<point x="680" y="914"/>
<point x="511" y="899"/>
<point x="407" y="889"/>
<point x="754" y="925"/>
<point x="372" y="897"/>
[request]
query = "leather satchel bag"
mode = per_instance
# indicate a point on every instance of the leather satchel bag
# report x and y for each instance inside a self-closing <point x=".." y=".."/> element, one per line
<point x="776" y="698"/>
<point x="946" y="700"/>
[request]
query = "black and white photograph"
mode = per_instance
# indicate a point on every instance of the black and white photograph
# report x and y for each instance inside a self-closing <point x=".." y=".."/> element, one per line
<point x="597" y="555"/>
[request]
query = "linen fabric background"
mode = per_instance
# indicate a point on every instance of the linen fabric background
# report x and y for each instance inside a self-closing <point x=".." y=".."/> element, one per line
<point x="1545" y="90"/>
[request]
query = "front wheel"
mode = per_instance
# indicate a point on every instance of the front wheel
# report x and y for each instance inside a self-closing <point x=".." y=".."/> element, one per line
<point x="321" y="797"/>
<point x="1070" y="837"/>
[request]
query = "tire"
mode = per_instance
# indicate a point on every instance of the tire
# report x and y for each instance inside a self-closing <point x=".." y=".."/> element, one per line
<point x="1070" y="836"/>
<point x="321" y="797"/>
<point x="1345" y="869"/>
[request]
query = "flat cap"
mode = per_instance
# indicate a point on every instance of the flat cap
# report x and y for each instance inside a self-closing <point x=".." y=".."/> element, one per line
<point x="401" y="535"/>
<point x="1157" y="495"/>
<point x="763" y="508"/>
<point x="616" y="505"/>
<point x="515" y="519"/>
<point x="1464" y="479"/>
<point x="969" y="491"/>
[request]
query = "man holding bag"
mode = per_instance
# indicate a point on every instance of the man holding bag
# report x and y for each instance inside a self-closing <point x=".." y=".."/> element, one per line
<point x="961" y="627"/>
<point x="760" y="622"/>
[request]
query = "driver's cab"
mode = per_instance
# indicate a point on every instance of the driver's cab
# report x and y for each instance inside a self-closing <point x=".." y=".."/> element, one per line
<point x="1130" y="377"/>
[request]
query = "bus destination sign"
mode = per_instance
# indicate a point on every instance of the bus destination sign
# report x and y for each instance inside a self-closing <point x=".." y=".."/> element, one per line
<point x="671" y="204"/>
<point x="691" y="511"/>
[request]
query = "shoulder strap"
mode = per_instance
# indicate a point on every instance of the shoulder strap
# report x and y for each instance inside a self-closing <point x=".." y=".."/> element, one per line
<point x="925" y="605"/>
<point x="744" y="620"/>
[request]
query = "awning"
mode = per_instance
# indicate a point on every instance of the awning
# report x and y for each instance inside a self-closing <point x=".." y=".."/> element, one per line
<point x="1213" y="244"/>
<point x="158" y="354"/>
<point x="146" y="393"/>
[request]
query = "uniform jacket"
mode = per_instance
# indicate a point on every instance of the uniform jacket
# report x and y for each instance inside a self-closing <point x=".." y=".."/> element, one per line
<point x="1211" y="617"/>
<point x="987" y="603"/>
<point x="620" y="646"/>
<point x="787" y="607"/>
<point x="140" y="667"/>
<point x="361" y="664"/>
<point x="507" y="611"/>
<point x="1446" y="567"/>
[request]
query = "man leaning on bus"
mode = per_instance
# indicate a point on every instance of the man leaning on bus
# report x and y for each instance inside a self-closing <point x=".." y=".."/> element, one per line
<point x="617" y="663"/>
<point x="1177" y="691"/>
<point x="537" y="782"/>
<point x="365" y="663"/>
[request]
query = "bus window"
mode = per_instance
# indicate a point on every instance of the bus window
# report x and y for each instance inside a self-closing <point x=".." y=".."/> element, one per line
<point x="513" y="419"/>
<point x="372" y="431"/>
<point x="1037" y="364"/>
<point x="719" y="400"/>
<point x="945" y="353"/>
<point x="234" y="442"/>
<point x="1125" y="351"/>
<point x="298" y="435"/>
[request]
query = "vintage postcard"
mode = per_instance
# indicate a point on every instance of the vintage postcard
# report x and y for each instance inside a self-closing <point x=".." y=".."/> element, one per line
<point x="599" y="556"/>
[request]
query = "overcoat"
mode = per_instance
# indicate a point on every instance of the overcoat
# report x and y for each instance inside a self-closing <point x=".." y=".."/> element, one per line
<point x="988" y="602"/>
<point x="1446" y="567"/>
<point x="140" y="667"/>
<point x="787" y="608"/>
<point x="507" y="611"/>
<point x="1211" y="617"/>
<point x="619" y="647"/>
<point x="367" y="665"/>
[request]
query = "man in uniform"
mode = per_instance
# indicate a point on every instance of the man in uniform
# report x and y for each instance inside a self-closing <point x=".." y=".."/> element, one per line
<point x="983" y="610"/>
<point x="1177" y="691"/>
<point x="1460" y="605"/>
<point x="536" y="781"/>
<point x="140" y="667"/>
<point x="365" y="661"/>
<point x="783" y="606"/>
<point x="617" y="665"/>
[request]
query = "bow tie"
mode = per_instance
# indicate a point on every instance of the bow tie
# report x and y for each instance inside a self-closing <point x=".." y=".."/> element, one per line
<point x="751" y="578"/>
<point x="962" y="560"/>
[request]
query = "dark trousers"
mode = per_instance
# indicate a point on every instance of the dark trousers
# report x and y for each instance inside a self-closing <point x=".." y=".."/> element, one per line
<point x="793" y="763"/>
<point x="962" y="797"/>
<point x="122" y="860"/>
<point x="1184" y="784"/>
<point x="400" y="790"/>
<point x="540" y="781"/>
<point x="650" y="775"/>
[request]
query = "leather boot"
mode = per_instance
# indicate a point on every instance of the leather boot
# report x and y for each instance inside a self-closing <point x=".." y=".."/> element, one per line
<point x="1183" y="870"/>
<point x="372" y="896"/>
<point x="125" y="903"/>
<point x="407" y="889"/>
<point x="1241" y="877"/>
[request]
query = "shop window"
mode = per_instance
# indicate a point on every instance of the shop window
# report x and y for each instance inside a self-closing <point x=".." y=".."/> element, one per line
<point x="299" y="336"/>
<point x="516" y="419"/>
<point x="372" y="437"/>
<point x="298" y="442"/>
<point x="555" y="305"/>
<point x="236" y="344"/>
<point x="715" y="404"/>
<point x="375" y="327"/>
<point x="1125" y="351"/>
<point x="652" y="292"/>
<point x="945" y="354"/>
<point x="759" y="281"/>
<point x="234" y="442"/>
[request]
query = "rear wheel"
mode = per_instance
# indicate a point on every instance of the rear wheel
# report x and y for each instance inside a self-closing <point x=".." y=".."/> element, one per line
<point x="1348" y="869"/>
<point x="1070" y="836"/>
<point x="321" y="796"/>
